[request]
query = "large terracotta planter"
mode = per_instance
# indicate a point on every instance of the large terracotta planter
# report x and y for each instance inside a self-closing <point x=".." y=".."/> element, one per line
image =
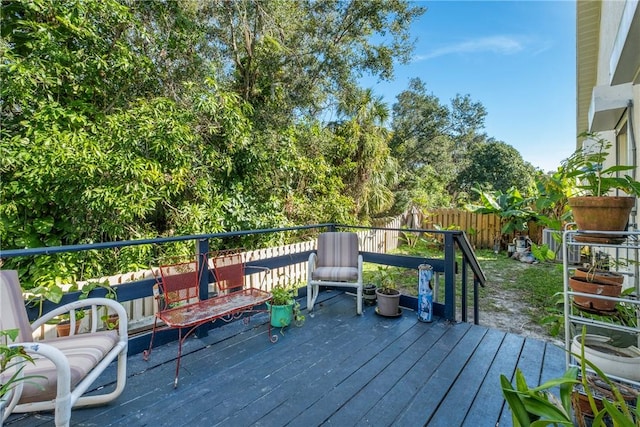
<point x="581" y="284"/>
<point x="599" y="276"/>
<point x="601" y="214"/>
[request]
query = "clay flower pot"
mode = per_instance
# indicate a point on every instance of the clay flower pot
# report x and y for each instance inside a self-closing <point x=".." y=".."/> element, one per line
<point x="388" y="303"/>
<point x="601" y="214"/>
<point x="583" y="285"/>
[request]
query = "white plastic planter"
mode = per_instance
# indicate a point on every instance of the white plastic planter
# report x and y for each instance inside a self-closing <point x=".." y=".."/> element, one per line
<point x="622" y="362"/>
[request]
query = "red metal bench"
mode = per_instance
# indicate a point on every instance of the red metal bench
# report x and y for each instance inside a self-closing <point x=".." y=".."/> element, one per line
<point x="177" y="293"/>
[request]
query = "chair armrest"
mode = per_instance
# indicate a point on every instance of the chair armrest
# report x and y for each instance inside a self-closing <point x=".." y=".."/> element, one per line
<point x="63" y="372"/>
<point x="92" y="303"/>
<point x="311" y="265"/>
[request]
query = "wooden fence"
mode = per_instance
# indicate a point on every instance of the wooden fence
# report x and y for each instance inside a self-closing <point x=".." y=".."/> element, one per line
<point x="482" y="229"/>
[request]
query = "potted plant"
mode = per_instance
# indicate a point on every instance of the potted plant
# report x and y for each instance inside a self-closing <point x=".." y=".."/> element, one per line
<point x="369" y="293"/>
<point x="595" y="279"/>
<point x="63" y="327"/>
<point x="387" y="295"/>
<point x="283" y="307"/>
<point x="110" y="320"/>
<point x="594" y="207"/>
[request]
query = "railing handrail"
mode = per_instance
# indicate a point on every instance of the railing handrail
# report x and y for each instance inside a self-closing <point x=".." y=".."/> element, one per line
<point x="47" y="250"/>
<point x="143" y="286"/>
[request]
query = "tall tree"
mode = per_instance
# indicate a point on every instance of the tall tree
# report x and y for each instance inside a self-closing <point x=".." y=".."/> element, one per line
<point x="423" y="147"/>
<point x="372" y="170"/>
<point x="286" y="58"/>
<point x="496" y="166"/>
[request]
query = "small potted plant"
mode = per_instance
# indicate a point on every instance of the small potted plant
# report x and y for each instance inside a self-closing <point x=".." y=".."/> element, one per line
<point x="387" y="295"/>
<point x="595" y="279"/>
<point x="369" y="293"/>
<point x="594" y="207"/>
<point x="283" y="307"/>
<point x="110" y="320"/>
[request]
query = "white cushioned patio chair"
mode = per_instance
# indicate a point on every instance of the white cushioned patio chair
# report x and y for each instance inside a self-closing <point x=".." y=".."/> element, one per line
<point x="337" y="263"/>
<point x="64" y="368"/>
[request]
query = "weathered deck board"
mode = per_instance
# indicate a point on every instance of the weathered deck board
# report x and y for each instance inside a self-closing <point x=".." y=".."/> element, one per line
<point x="338" y="369"/>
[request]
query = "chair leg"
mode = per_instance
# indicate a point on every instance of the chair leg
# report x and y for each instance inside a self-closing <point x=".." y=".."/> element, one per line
<point x="312" y="296"/>
<point x="147" y="353"/>
<point x="180" y="339"/>
<point x="359" y="300"/>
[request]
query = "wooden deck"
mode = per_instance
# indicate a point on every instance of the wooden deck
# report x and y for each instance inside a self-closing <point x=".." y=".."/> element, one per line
<point x="338" y="369"/>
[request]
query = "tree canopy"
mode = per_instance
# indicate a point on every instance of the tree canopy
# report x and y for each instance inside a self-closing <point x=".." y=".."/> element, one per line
<point x="125" y="119"/>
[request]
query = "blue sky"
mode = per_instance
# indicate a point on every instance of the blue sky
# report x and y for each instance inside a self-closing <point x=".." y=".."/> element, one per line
<point x="515" y="57"/>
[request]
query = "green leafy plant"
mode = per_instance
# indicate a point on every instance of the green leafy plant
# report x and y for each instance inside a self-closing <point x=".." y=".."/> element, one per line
<point x="111" y="293"/>
<point x="542" y="252"/>
<point x="285" y="295"/>
<point x="12" y="358"/>
<point x="387" y="280"/>
<point x="538" y="406"/>
<point x="512" y="207"/>
<point x="587" y="165"/>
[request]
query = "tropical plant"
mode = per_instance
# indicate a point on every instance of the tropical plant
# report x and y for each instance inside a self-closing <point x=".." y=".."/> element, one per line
<point x="538" y="406"/>
<point x="587" y="165"/>
<point x="514" y="210"/>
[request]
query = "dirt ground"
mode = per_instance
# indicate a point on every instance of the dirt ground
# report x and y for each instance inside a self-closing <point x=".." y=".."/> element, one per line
<point x="503" y="308"/>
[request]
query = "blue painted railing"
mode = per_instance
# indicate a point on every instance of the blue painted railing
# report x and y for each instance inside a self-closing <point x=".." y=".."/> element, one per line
<point x="144" y="288"/>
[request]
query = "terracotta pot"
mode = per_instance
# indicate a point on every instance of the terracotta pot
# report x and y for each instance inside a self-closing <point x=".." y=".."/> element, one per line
<point x="601" y="214"/>
<point x="599" y="276"/>
<point x="64" y="328"/>
<point x="388" y="304"/>
<point x="581" y="284"/>
<point x="599" y="390"/>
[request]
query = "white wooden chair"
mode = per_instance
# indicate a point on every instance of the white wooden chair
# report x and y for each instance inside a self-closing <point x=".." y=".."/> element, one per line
<point x="337" y="263"/>
<point x="64" y="367"/>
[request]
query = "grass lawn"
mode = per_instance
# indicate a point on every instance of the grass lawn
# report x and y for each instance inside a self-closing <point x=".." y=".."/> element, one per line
<point x="520" y="297"/>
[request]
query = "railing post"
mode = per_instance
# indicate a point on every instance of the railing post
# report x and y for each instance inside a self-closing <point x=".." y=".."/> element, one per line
<point x="463" y="291"/>
<point x="476" y="301"/>
<point x="449" y="277"/>
<point x="202" y="250"/>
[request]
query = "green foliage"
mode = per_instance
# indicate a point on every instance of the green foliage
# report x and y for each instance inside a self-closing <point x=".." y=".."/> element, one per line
<point x="587" y="165"/>
<point x="552" y="198"/>
<point x="513" y="209"/>
<point x="13" y="358"/>
<point x="542" y="252"/>
<point x="422" y="146"/>
<point x="538" y="406"/>
<point x="496" y="166"/>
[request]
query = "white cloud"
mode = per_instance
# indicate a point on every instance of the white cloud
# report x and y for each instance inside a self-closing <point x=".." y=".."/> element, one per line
<point x="502" y="45"/>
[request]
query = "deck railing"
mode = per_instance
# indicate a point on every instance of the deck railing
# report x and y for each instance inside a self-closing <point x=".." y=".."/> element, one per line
<point x="288" y="263"/>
